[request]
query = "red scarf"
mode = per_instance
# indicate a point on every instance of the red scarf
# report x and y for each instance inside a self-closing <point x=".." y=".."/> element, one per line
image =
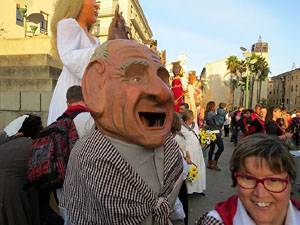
<point x="75" y="108"/>
<point x="228" y="208"/>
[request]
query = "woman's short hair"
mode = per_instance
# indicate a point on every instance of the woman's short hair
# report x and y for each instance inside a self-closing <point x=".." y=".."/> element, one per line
<point x="265" y="147"/>
<point x="211" y="106"/>
<point x="176" y="123"/>
<point x="186" y="114"/>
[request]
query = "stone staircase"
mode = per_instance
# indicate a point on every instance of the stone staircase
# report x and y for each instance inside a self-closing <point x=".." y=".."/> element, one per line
<point x="26" y="85"/>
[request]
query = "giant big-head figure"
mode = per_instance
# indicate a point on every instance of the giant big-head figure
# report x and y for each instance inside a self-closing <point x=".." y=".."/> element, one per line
<point x="126" y="89"/>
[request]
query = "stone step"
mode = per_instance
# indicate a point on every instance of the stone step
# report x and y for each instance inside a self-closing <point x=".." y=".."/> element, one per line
<point x="39" y="71"/>
<point x="29" y="60"/>
<point x="27" y="84"/>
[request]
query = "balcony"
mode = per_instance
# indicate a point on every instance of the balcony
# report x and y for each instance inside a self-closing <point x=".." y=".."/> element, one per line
<point x="106" y="12"/>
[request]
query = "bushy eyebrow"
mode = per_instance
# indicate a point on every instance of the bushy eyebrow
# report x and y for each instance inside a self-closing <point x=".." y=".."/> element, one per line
<point x="125" y="65"/>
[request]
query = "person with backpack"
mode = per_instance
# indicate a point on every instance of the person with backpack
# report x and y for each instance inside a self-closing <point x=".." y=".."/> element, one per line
<point x="83" y="123"/>
<point x="57" y="140"/>
<point x="18" y="206"/>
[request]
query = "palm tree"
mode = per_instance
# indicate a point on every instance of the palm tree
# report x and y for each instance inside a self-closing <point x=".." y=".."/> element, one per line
<point x="265" y="70"/>
<point x="232" y="64"/>
<point x="242" y="69"/>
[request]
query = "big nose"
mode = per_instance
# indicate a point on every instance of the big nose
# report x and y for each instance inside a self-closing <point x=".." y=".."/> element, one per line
<point x="260" y="191"/>
<point x="157" y="91"/>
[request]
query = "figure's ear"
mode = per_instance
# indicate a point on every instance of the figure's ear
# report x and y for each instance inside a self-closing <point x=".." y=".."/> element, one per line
<point x="92" y="86"/>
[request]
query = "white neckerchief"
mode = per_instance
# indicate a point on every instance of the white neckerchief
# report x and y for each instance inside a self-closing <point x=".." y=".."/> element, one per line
<point x="242" y="217"/>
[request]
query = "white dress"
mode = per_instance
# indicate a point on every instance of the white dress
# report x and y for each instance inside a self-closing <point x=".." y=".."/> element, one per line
<point x="75" y="50"/>
<point x="195" y="150"/>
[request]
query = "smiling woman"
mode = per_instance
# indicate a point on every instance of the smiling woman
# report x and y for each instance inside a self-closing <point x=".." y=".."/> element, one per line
<point x="263" y="171"/>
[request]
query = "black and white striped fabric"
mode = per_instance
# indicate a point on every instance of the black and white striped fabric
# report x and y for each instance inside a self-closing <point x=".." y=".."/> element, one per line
<point x="101" y="188"/>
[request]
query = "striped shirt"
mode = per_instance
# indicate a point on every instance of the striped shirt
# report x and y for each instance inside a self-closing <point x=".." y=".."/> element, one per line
<point x="102" y="188"/>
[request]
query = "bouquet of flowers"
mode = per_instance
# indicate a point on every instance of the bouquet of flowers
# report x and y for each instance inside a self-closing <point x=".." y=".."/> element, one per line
<point x="192" y="173"/>
<point x="206" y="138"/>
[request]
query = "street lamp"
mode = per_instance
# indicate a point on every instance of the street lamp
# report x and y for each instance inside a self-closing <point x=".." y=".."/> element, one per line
<point x="247" y="54"/>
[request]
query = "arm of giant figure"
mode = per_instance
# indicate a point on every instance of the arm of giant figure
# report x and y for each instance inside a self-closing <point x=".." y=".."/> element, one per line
<point x="73" y="56"/>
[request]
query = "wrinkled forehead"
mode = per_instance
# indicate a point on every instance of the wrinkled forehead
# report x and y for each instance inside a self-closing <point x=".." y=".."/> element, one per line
<point x="122" y="51"/>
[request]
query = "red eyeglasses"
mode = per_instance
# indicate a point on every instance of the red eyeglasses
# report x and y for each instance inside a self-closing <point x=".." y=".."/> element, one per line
<point x="272" y="184"/>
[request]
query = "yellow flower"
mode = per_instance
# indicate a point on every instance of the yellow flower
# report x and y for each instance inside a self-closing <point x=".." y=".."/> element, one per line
<point x="194" y="169"/>
<point x="195" y="176"/>
<point x="203" y="139"/>
<point x="213" y="137"/>
<point x="202" y="132"/>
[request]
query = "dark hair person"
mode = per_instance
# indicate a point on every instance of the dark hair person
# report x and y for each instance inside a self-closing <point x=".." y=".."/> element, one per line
<point x="263" y="171"/>
<point x="272" y="127"/>
<point x="18" y="206"/>
<point x="209" y="117"/>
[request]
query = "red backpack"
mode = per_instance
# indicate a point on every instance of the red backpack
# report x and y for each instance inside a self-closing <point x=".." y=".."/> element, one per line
<point x="50" y="152"/>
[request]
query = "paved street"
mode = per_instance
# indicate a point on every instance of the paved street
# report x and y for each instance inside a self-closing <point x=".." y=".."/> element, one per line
<point x="218" y="186"/>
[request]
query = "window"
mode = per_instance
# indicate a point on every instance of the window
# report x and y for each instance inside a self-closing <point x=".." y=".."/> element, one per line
<point x="296" y="76"/>
<point x="19" y="18"/>
<point x="292" y="89"/>
<point x="97" y="28"/>
<point x="292" y="77"/>
<point x="270" y="92"/>
<point x="44" y="23"/>
<point x="276" y="101"/>
<point x="296" y="87"/>
<point x="287" y="101"/>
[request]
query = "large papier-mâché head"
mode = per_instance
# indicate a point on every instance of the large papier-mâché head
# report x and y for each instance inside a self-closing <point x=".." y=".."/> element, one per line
<point x="126" y="89"/>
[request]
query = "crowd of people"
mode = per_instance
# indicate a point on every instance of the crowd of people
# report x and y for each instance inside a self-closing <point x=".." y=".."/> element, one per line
<point x="135" y="160"/>
<point x="266" y="120"/>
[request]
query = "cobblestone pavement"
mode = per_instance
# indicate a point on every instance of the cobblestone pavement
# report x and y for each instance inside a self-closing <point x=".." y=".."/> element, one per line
<point x="218" y="186"/>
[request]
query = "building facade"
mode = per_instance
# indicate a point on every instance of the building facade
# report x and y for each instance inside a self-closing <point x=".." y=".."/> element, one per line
<point x="17" y="16"/>
<point x="216" y="78"/>
<point x="283" y="90"/>
<point x="13" y="14"/>
<point x="28" y="73"/>
<point x="133" y="15"/>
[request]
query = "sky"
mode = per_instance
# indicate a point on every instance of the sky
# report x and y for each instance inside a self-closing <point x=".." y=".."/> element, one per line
<point x="211" y="30"/>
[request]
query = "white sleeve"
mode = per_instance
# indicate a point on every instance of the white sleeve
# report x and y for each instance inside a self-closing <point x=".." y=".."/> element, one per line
<point x="69" y="36"/>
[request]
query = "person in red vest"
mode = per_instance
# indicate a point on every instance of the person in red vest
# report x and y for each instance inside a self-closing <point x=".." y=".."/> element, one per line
<point x="263" y="171"/>
<point x="254" y="115"/>
<point x="259" y="123"/>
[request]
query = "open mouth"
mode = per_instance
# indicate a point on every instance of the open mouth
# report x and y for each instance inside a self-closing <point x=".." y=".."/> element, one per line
<point x="152" y="119"/>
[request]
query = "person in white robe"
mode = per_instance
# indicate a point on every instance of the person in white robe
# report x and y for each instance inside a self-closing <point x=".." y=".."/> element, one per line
<point x="191" y="133"/>
<point x="75" y="46"/>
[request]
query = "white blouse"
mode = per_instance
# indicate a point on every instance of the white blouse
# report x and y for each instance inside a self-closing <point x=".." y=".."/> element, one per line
<point x="75" y="50"/>
<point x="242" y="217"/>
